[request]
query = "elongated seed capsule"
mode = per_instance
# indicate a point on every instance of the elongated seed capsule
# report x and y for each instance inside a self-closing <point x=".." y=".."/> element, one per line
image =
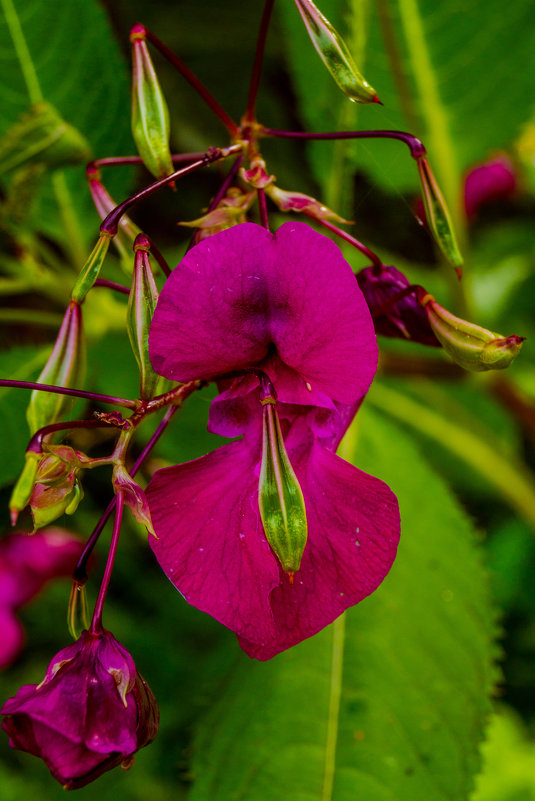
<point x="141" y="305"/>
<point x="335" y="54"/>
<point x="471" y="346"/>
<point x="280" y="498"/>
<point x="91" y="269"/>
<point x="150" y="115"/>
<point x="65" y="368"/>
<point x="77" y="618"/>
<point x="438" y="215"/>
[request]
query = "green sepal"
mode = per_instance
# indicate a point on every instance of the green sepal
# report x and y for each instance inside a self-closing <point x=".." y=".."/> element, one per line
<point x="41" y="136"/>
<point x="280" y="498"/>
<point x="150" y="115"/>
<point x="335" y="54"/>
<point x="91" y="269"/>
<point x="438" y="216"/>
<point x="141" y="305"/>
<point x="23" y="489"/>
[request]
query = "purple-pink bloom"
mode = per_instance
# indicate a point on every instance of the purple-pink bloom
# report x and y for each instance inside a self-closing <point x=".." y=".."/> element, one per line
<point x="91" y="712"/>
<point x="395" y="305"/>
<point x="286" y="304"/>
<point x="494" y="180"/>
<point x="26" y="564"/>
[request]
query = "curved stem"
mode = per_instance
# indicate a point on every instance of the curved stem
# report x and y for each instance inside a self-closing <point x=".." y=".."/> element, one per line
<point x="96" y="622"/>
<point x="75" y="393"/>
<point x="373" y="257"/>
<point x="259" y="58"/>
<point x="415" y="146"/>
<point x="192" y="79"/>
<point x="110" y="224"/>
<point x="36" y="443"/>
<point x="112" y="285"/>
<point x="80" y="571"/>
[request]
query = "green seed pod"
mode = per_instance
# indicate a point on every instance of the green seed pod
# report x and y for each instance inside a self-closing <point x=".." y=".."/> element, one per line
<point x="280" y="498"/>
<point x="64" y="368"/>
<point x="141" y="305"/>
<point x="438" y="215"/>
<point x="77" y="617"/>
<point x="150" y="116"/>
<point x="23" y="489"/>
<point x="469" y="345"/>
<point x="335" y="54"/>
<point x="91" y="269"/>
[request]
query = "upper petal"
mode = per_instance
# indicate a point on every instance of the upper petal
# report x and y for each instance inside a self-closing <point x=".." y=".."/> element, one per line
<point x="241" y="292"/>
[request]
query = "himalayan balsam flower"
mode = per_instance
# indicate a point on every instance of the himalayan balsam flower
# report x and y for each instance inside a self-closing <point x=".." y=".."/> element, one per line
<point x="91" y="712"/>
<point x="286" y="304"/>
<point x="26" y="564"/>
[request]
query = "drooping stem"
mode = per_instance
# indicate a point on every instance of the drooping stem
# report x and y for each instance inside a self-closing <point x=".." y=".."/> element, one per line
<point x="36" y="443"/>
<point x="415" y="146"/>
<point x="373" y="257"/>
<point x="155" y="251"/>
<point x="259" y="58"/>
<point x="75" y="393"/>
<point x="226" y="183"/>
<point x="114" y="161"/>
<point x="192" y="79"/>
<point x="110" y="224"/>
<point x="96" y="622"/>
<point x="80" y="571"/>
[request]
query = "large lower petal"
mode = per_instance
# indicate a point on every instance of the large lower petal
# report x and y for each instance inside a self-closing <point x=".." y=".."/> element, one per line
<point x="209" y="537"/>
<point x="353" y="525"/>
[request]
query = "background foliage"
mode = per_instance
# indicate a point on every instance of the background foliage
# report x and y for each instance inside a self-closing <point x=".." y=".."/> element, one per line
<point x="390" y="703"/>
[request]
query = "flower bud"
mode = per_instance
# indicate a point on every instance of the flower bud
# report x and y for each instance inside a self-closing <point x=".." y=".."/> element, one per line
<point x="394" y="305"/>
<point x="280" y="498"/>
<point x="91" y="712"/>
<point x="65" y="368"/>
<point x="438" y="216"/>
<point x="335" y="54"/>
<point x="257" y="174"/>
<point x="141" y="304"/>
<point x="23" y="489"/>
<point x="469" y="345"/>
<point x="104" y="204"/>
<point x="493" y="180"/>
<point x="134" y="497"/>
<point x="91" y="269"/>
<point x="150" y="116"/>
<point x="298" y="202"/>
<point x="231" y="210"/>
<point x="57" y="487"/>
<point x="41" y="136"/>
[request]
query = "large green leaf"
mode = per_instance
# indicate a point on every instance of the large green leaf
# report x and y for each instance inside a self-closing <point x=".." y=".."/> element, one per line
<point x="463" y="70"/>
<point x="386" y="705"/>
<point x="65" y="53"/>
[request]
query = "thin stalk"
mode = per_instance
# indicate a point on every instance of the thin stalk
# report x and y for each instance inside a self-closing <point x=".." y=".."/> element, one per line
<point x="192" y="79"/>
<point x="156" y="252"/>
<point x="262" y="208"/>
<point x="415" y="146"/>
<point x="96" y="622"/>
<point x="113" y="161"/>
<point x="75" y="393"/>
<point x="112" y="285"/>
<point x="35" y="445"/>
<point x="226" y="183"/>
<point x="110" y="224"/>
<point x="80" y="571"/>
<point x="259" y="58"/>
<point x="373" y="257"/>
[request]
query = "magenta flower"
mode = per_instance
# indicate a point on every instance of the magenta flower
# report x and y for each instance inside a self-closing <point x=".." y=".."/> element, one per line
<point x="26" y="564"/>
<point x="286" y="304"/>
<point x="91" y="712"/>
<point x="496" y="179"/>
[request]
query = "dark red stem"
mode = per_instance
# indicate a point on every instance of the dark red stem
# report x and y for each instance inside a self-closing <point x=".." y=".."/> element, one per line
<point x="96" y="622"/>
<point x="35" y="445"/>
<point x="415" y="146"/>
<point x="112" y="285"/>
<point x="373" y="257"/>
<point x="262" y="208"/>
<point x="75" y="393"/>
<point x="259" y="58"/>
<point x="80" y="571"/>
<point x="192" y="79"/>
<point x="226" y="183"/>
<point x="155" y="251"/>
<point x="110" y="224"/>
<point x="113" y="161"/>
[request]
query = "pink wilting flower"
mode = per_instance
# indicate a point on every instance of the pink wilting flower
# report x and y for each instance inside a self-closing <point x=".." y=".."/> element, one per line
<point x="91" y="712"/>
<point x="26" y="564"/>
<point x="286" y="304"/>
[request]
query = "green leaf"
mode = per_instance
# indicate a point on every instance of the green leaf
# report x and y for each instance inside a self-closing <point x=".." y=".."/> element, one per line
<point x="64" y="53"/>
<point x="388" y="704"/>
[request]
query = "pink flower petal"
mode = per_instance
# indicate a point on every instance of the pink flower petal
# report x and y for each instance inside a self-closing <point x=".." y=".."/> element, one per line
<point x="244" y="291"/>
